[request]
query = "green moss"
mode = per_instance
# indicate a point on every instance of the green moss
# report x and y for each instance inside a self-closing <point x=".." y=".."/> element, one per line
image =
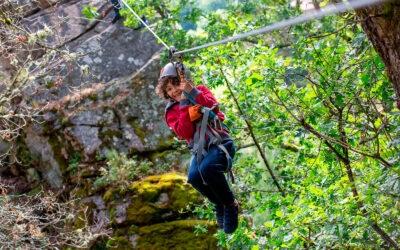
<point x="139" y="131"/>
<point x="80" y="192"/>
<point x="145" y="209"/>
<point x="133" y="229"/>
<point x="145" y="190"/>
<point x="79" y="222"/>
<point x="49" y="84"/>
<point x="143" y="213"/>
<point x="112" y="212"/>
<point x="100" y="243"/>
<point x="111" y="194"/>
<point x="111" y="133"/>
<point x="120" y="242"/>
<point x="182" y="194"/>
<point x="387" y="10"/>
<point x="84" y="217"/>
<point x="90" y="189"/>
<point x="86" y="173"/>
<point x="158" y="155"/>
<point x="93" y="97"/>
<point x="56" y="147"/>
<point x="108" y="196"/>
<point x="121" y="232"/>
<point x="35" y="191"/>
<point x="66" y="122"/>
<point x="176" y="235"/>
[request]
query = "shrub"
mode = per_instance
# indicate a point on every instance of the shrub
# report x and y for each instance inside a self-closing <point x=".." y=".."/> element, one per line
<point x="40" y="221"/>
<point x="122" y="171"/>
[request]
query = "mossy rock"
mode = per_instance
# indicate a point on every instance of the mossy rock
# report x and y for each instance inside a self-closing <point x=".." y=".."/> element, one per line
<point x="177" y="235"/>
<point x="139" y="131"/>
<point x="120" y="243"/>
<point x="121" y="232"/>
<point x="159" y="198"/>
<point x="84" y="190"/>
<point x="80" y="193"/>
<point x="80" y="221"/>
<point x="85" y="215"/>
<point x="111" y="194"/>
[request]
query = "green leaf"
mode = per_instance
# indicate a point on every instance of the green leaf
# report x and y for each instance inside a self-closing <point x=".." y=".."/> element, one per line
<point x="279" y="214"/>
<point x="268" y="224"/>
<point x="89" y="11"/>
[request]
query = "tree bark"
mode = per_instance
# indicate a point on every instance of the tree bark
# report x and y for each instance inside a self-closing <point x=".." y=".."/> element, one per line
<point x="381" y="23"/>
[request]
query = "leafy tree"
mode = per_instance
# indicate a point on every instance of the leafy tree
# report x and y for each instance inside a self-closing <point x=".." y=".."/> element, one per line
<point x="317" y="103"/>
<point x="381" y="24"/>
<point x="331" y="98"/>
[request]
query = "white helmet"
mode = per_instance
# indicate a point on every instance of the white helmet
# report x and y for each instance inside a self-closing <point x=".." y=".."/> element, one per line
<point x="171" y="69"/>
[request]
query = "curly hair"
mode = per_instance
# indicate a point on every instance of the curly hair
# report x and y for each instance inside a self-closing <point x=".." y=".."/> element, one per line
<point x="162" y="85"/>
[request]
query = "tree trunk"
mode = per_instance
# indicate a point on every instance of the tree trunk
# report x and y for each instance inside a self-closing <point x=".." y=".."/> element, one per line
<point x="316" y="5"/>
<point x="381" y="23"/>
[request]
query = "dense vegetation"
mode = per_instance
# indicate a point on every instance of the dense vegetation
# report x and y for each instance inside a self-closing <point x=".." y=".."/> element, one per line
<point x="315" y="101"/>
<point x="310" y="107"/>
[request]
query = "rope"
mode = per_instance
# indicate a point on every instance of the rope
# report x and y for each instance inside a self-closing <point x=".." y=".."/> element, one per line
<point x="330" y="10"/>
<point x="145" y="24"/>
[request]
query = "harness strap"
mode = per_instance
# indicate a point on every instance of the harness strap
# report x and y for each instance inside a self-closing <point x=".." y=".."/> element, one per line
<point x="196" y="139"/>
<point x="230" y="174"/>
<point x="201" y="141"/>
<point x="214" y="139"/>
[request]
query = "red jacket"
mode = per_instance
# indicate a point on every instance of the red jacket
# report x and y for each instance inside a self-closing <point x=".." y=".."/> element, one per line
<point x="177" y="116"/>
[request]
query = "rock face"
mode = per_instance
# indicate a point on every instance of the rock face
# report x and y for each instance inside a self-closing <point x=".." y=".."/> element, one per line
<point x="117" y="108"/>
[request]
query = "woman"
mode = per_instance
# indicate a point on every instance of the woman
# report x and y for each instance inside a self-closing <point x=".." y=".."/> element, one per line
<point x="206" y="176"/>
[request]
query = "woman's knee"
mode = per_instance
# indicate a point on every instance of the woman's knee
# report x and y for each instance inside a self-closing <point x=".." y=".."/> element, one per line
<point x="194" y="179"/>
<point x="230" y="147"/>
<point x="209" y="169"/>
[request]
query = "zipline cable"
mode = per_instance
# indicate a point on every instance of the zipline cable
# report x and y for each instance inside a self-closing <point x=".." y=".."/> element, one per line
<point x="145" y="24"/>
<point x="329" y="10"/>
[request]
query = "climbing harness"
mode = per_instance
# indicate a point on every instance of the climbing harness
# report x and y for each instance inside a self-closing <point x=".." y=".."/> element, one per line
<point x="203" y="128"/>
<point x="209" y="125"/>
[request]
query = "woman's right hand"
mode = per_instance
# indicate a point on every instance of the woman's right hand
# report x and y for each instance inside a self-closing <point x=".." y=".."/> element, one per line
<point x="186" y="86"/>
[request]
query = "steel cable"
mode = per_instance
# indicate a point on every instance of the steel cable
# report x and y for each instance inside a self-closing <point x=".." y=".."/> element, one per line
<point x="329" y="10"/>
<point x="145" y="24"/>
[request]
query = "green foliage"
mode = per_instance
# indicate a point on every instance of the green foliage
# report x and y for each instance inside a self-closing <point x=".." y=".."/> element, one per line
<point x="319" y="86"/>
<point x="332" y="99"/>
<point x="121" y="171"/>
<point x="74" y="162"/>
<point x="90" y="11"/>
<point x="170" y="15"/>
